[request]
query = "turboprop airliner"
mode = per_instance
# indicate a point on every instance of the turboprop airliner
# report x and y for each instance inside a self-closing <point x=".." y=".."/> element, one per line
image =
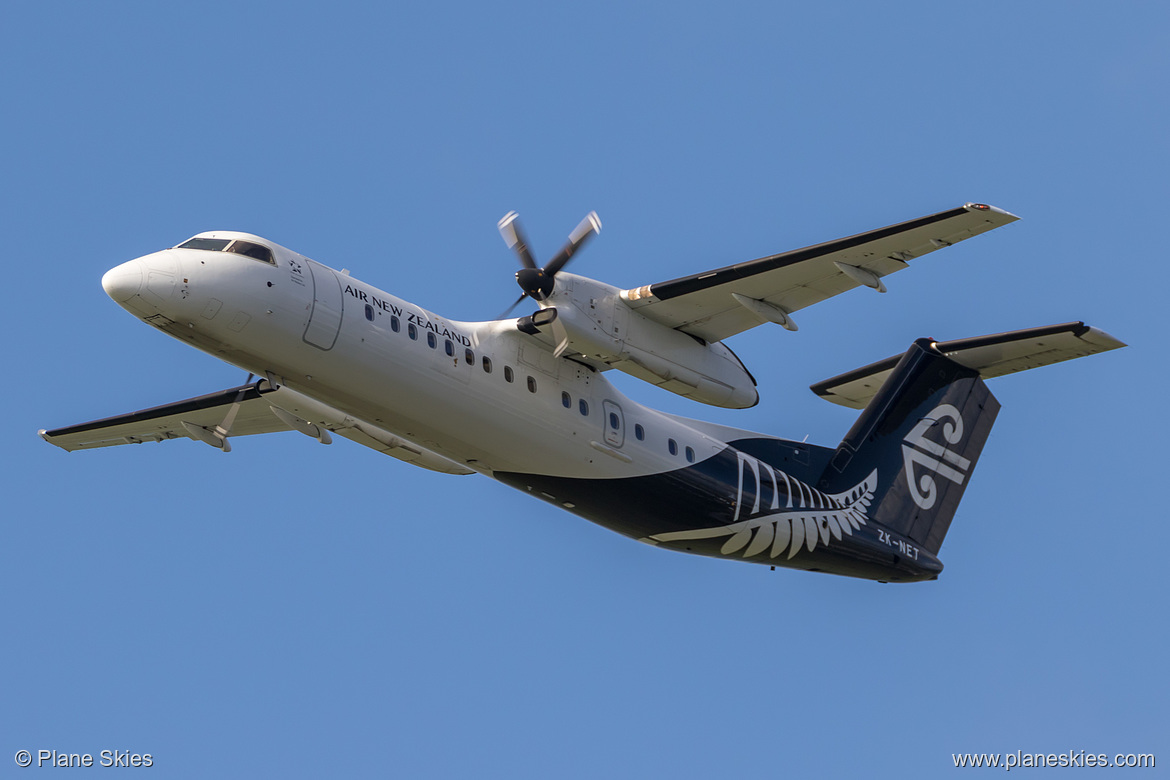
<point x="527" y="400"/>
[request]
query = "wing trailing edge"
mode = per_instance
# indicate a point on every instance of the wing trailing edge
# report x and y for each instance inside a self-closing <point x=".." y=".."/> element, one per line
<point x="248" y="410"/>
<point x="714" y="305"/>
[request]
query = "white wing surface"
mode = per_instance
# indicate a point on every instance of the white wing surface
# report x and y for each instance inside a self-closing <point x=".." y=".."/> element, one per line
<point x="247" y="410"/>
<point x="160" y="423"/>
<point x="717" y="304"/>
<point x="992" y="356"/>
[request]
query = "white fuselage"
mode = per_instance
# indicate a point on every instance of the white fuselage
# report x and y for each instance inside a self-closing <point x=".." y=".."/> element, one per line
<point x="349" y="345"/>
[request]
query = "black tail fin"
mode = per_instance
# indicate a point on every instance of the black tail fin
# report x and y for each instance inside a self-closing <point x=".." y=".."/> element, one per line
<point x="923" y="432"/>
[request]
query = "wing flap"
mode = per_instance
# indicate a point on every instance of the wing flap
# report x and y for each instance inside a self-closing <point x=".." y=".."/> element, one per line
<point x="161" y="423"/>
<point x="253" y="409"/>
<point x="995" y="355"/>
<point x="702" y="305"/>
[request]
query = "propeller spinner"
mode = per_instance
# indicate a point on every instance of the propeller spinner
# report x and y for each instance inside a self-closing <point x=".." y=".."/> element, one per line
<point x="537" y="283"/>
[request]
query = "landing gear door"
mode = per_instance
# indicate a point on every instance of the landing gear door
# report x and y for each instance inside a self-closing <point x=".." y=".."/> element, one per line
<point x="325" y="317"/>
<point x="615" y="424"/>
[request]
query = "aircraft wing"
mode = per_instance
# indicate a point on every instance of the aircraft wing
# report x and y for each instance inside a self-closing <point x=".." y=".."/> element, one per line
<point x="711" y="305"/>
<point x="246" y="410"/>
<point x="253" y="415"/>
<point x="992" y="356"/>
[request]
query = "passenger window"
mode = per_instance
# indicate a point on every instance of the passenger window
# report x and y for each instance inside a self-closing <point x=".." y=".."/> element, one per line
<point x="566" y="401"/>
<point x="412" y="331"/>
<point x="690" y="455"/>
<point x="583" y="405"/>
<point x="672" y="445"/>
<point x="395" y="325"/>
<point x="613" y="421"/>
<point x="449" y="348"/>
<point x="508" y="376"/>
<point x="369" y="312"/>
<point x="487" y="364"/>
<point x="639" y="432"/>
<point x="469" y="357"/>
<point x="431" y="340"/>
<point x="531" y="384"/>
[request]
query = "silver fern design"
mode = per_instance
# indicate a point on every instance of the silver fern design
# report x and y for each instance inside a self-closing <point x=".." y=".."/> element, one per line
<point x="810" y="517"/>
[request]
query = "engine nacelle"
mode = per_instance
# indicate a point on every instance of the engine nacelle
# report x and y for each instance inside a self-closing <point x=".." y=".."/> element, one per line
<point x="602" y="330"/>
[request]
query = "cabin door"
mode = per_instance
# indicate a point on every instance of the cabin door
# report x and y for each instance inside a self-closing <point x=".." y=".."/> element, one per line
<point x="325" y="317"/>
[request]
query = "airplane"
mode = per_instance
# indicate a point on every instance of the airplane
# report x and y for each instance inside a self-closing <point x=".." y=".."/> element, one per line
<point x="526" y="400"/>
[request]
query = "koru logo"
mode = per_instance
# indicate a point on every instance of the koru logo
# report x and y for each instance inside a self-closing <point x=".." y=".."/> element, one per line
<point x="932" y="457"/>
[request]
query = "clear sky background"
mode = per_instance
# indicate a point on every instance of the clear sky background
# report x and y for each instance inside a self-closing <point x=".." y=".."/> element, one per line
<point x="295" y="610"/>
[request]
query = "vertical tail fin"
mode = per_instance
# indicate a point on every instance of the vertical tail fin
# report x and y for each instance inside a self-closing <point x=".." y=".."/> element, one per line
<point x="923" y="432"/>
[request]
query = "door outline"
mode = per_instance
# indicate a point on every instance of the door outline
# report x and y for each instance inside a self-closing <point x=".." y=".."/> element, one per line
<point x="615" y="436"/>
<point x="328" y="306"/>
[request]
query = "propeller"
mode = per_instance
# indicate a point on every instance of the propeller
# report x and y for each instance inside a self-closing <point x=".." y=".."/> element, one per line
<point x="536" y="282"/>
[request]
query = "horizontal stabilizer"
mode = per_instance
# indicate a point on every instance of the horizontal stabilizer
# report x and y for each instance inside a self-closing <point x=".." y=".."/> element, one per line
<point x="991" y="356"/>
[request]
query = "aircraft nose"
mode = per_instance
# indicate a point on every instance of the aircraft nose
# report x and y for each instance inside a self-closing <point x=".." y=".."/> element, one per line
<point x="124" y="281"/>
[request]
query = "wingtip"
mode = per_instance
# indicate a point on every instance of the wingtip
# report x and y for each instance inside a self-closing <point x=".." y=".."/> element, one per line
<point x="44" y="434"/>
<point x="994" y="209"/>
<point x="1100" y="338"/>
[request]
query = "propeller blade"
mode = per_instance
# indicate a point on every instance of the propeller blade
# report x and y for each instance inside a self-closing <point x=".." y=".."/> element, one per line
<point x="508" y="311"/>
<point x="589" y="226"/>
<point x="224" y="429"/>
<point x="514" y="238"/>
<point x="561" y="335"/>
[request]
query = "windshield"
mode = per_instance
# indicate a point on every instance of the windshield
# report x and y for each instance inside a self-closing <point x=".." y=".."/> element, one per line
<point x="209" y="244"/>
<point x="238" y="247"/>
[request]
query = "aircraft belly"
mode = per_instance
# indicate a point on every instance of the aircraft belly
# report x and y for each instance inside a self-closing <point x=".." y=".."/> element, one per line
<point x="472" y="418"/>
<point x="705" y="509"/>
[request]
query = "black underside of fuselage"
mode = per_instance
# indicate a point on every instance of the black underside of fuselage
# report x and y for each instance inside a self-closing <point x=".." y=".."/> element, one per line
<point x="704" y="496"/>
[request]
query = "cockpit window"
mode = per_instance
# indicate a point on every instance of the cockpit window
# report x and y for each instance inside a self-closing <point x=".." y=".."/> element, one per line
<point x="255" y="251"/>
<point x="238" y="247"/>
<point x="208" y="244"/>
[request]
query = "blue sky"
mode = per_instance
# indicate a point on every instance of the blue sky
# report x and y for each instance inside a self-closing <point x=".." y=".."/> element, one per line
<point x="296" y="610"/>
